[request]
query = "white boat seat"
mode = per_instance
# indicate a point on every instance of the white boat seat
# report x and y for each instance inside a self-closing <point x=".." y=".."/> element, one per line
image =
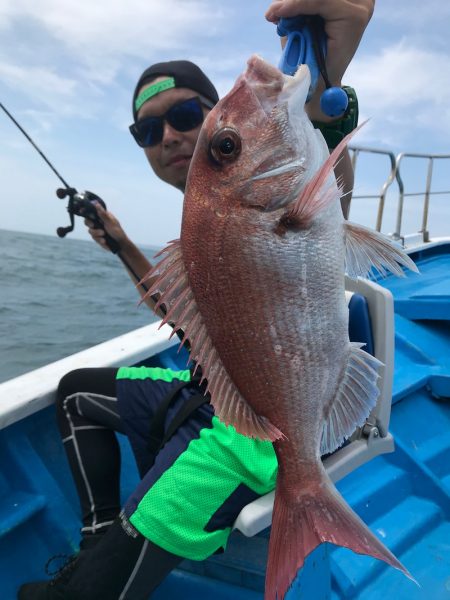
<point x="377" y="330"/>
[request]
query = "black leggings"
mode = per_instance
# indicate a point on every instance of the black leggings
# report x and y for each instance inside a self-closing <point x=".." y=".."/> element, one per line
<point x="87" y="417"/>
<point x="123" y="564"/>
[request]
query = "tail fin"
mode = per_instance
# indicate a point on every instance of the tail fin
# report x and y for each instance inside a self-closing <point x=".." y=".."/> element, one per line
<point x="319" y="515"/>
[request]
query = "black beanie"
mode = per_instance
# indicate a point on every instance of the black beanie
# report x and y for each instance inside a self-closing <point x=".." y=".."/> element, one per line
<point x="185" y="74"/>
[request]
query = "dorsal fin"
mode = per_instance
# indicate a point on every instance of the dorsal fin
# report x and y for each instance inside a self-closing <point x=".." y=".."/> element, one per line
<point x="172" y="284"/>
<point x="365" y="248"/>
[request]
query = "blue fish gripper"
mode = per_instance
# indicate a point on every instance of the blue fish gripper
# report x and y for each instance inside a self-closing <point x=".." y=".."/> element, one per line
<point x="306" y="45"/>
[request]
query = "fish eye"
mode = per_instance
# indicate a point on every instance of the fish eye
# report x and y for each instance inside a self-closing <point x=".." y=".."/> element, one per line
<point x="225" y="145"/>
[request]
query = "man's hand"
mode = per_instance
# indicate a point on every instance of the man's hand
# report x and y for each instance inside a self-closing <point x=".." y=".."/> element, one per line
<point x="132" y="258"/>
<point x="111" y="226"/>
<point x="345" y="22"/>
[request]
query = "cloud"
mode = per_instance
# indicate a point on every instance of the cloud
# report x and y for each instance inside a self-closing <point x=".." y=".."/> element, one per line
<point x="413" y="13"/>
<point x="39" y="81"/>
<point x="102" y="33"/>
<point x="400" y="84"/>
<point x="73" y="57"/>
<point x="66" y="55"/>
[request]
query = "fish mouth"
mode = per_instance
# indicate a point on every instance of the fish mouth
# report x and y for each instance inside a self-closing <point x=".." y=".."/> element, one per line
<point x="271" y="87"/>
<point x="286" y="94"/>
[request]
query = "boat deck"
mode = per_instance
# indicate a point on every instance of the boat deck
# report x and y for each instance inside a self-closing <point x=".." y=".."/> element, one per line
<point x="404" y="497"/>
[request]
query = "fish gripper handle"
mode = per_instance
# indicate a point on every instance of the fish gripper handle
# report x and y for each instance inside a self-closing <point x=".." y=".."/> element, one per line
<point x="307" y="44"/>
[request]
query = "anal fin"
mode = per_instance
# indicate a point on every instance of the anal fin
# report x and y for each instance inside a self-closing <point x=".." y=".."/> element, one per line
<point x="356" y="397"/>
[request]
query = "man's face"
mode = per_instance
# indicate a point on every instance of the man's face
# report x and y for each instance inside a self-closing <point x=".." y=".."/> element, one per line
<point x="170" y="159"/>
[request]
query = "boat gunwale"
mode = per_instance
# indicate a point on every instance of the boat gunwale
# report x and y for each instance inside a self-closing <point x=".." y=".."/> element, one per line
<point x="29" y="393"/>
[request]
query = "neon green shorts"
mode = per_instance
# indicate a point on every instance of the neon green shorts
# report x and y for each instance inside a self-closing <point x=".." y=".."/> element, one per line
<point x="203" y="476"/>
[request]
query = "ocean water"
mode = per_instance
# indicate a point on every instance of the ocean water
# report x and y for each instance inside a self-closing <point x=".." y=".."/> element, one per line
<point x="60" y="296"/>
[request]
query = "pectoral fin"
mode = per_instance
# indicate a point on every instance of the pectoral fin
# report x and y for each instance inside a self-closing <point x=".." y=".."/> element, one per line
<point x="320" y="191"/>
<point x="366" y="249"/>
<point x="172" y="285"/>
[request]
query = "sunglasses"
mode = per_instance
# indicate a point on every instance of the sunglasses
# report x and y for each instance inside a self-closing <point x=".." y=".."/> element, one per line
<point x="182" y="116"/>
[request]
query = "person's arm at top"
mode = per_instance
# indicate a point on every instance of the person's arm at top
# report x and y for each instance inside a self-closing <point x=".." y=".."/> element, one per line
<point x="128" y="250"/>
<point x="345" y="22"/>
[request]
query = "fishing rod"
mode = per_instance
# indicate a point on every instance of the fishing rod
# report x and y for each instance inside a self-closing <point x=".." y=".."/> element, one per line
<point x="80" y="204"/>
<point x="35" y="146"/>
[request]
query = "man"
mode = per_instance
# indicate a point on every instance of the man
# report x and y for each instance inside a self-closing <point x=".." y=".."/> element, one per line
<point x="195" y="482"/>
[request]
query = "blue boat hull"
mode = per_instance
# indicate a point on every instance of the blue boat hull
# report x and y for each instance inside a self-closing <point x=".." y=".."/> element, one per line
<point x="404" y="497"/>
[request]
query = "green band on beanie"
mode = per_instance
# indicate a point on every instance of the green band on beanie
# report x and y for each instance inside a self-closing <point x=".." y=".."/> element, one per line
<point x="152" y="90"/>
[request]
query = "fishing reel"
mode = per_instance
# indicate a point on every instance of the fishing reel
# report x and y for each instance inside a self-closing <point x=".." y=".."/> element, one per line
<point x="81" y="204"/>
<point x="306" y="44"/>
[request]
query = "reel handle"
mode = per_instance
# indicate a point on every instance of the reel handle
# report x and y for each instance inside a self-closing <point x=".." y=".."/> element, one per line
<point x="82" y="205"/>
<point x="63" y="231"/>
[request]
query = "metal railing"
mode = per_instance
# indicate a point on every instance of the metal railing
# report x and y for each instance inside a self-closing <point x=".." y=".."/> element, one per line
<point x="394" y="175"/>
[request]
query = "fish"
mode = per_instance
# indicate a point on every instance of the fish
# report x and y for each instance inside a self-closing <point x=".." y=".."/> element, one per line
<point x="256" y="285"/>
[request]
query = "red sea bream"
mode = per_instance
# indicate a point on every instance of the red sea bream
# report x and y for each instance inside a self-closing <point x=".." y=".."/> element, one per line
<point x="256" y="283"/>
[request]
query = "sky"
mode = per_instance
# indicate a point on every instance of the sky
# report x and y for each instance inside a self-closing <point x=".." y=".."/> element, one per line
<point x="68" y="69"/>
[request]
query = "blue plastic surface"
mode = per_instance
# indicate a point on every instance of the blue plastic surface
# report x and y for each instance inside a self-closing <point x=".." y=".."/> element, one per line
<point x="334" y="102"/>
<point x="424" y="295"/>
<point x="359" y="325"/>
<point x="299" y="48"/>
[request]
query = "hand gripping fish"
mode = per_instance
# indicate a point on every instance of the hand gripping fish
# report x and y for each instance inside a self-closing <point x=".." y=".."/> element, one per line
<point x="256" y="283"/>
